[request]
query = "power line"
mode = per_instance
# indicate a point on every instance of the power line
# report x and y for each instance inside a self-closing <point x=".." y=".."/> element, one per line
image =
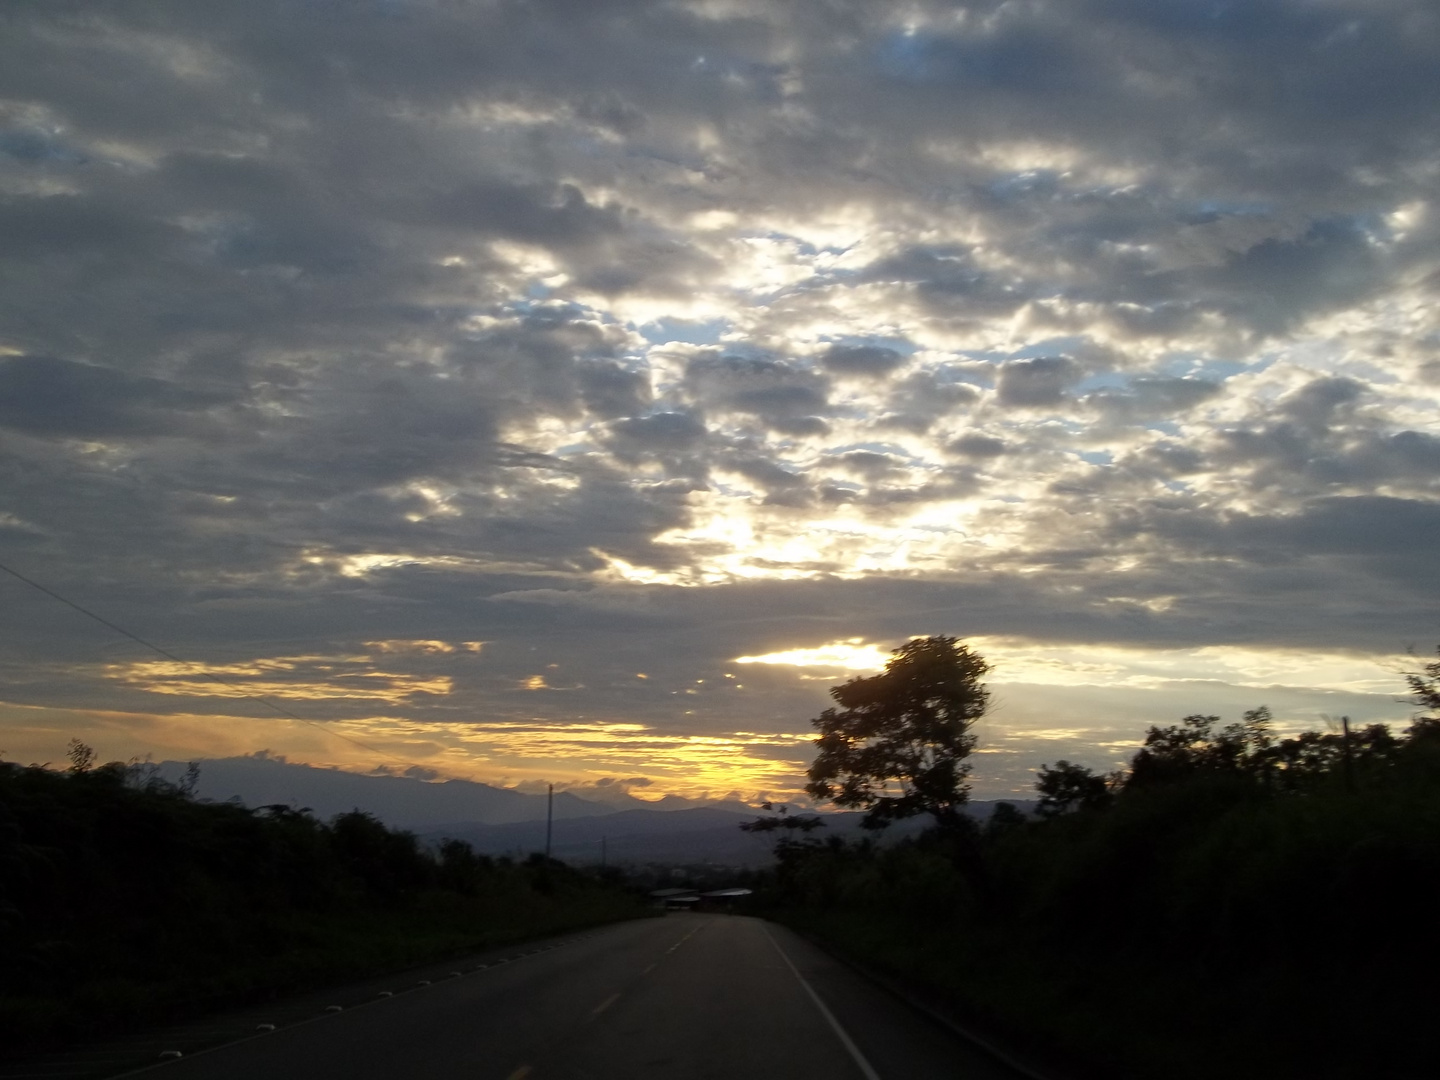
<point x="195" y="665"/>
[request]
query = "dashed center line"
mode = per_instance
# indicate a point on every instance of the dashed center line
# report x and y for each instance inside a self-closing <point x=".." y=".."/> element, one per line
<point x="604" y="1005"/>
<point x="682" y="941"/>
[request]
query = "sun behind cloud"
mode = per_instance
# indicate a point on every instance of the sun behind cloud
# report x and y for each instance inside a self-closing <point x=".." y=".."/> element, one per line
<point x="851" y="654"/>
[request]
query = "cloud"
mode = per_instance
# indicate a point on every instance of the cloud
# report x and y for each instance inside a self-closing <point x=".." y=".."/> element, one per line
<point x="869" y="464"/>
<point x="666" y="432"/>
<point x="1037" y="383"/>
<point x="46" y="396"/>
<point x="919" y="400"/>
<point x="610" y="391"/>
<point x="866" y="361"/>
<point x="978" y="446"/>
<point x="639" y="337"/>
<point x="778" y="394"/>
<point x="1153" y="398"/>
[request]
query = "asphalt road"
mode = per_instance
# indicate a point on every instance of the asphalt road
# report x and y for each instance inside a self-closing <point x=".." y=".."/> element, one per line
<point x="686" y="997"/>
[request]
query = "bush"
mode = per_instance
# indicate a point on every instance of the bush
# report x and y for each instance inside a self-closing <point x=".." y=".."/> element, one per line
<point x="124" y="900"/>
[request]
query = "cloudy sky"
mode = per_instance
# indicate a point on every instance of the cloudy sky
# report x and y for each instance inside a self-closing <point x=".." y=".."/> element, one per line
<point x="574" y="390"/>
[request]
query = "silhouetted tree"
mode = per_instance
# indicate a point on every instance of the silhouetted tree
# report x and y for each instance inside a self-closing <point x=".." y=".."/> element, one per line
<point x="791" y="839"/>
<point x="81" y="755"/>
<point x="897" y="745"/>
<point x="1303" y="760"/>
<point x="782" y="820"/>
<point x="1195" y="745"/>
<point x="1069" y="787"/>
<point x="1425" y="693"/>
<point x="1004" y="817"/>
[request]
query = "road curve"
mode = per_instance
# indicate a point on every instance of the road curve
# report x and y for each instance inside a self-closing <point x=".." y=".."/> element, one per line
<point x="685" y="997"/>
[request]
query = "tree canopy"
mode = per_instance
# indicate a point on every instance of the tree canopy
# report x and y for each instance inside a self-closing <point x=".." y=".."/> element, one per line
<point x="1069" y="787"/>
<point x="897" y="745"/>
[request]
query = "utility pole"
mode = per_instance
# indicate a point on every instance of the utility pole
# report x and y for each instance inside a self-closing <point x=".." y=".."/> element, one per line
<point x="1349" y="758"/>
<point x="549" y="819"/>
<point x="602" y="852"/>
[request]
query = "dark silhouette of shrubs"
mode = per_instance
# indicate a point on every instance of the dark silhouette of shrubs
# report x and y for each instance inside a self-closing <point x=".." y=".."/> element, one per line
<point x="124" y="899"/>
<point x="1235" y="903"/>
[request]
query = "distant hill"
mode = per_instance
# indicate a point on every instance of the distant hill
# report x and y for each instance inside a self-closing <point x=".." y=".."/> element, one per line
<point x="403" y="802"/>
<point x="503" y="821"/>
<point x="631" y="836"/>
<point x="704" y="835"/>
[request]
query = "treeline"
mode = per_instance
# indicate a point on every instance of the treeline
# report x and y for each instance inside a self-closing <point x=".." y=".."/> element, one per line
<point x="125" y="900"/>
<point x="1232" y="904"/>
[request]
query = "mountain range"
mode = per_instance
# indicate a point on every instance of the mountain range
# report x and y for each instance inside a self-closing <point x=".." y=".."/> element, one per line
<point x="504" y="821"/>
<point x="404" y="802"/>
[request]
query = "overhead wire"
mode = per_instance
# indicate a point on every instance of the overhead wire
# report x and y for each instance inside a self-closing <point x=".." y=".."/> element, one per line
<point x="197" y="666"/>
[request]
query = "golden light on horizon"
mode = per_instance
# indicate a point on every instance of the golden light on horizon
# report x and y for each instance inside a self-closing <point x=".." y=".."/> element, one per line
<point x="315" y="678"/>
<point x="748" y="765"/>
<point x="697" y="766"/>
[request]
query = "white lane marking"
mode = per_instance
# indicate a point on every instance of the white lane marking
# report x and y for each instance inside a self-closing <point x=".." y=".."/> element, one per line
<point x="684" y="939"/>
<point x="604" y="1005"/>
<point x="859" y="1058"/>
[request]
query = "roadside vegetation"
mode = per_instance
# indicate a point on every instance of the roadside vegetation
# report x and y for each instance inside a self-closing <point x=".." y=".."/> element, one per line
<point x="1233" y="904"/>
<point x="124" y="900"/>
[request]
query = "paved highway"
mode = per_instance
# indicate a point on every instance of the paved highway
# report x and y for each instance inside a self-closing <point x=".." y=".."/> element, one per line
<point x="686" y="997"/>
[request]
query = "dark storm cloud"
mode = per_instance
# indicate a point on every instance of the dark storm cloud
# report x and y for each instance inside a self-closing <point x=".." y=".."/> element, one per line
<point x="45" y="396"/>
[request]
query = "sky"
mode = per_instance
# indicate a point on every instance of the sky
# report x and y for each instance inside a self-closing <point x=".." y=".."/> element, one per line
<point x="572" y="391"/>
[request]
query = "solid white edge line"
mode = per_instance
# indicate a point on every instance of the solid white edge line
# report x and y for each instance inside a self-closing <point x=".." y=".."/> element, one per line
<point x="849" y="1044"/>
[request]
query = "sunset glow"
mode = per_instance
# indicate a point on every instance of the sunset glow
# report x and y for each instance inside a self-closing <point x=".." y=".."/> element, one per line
<point x="851" y="655"/>
<point x="538" y="403"/>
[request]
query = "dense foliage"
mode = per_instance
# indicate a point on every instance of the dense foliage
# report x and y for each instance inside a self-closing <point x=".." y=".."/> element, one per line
<point x="1234" y="904"/>
<point x="124" y="899"/>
